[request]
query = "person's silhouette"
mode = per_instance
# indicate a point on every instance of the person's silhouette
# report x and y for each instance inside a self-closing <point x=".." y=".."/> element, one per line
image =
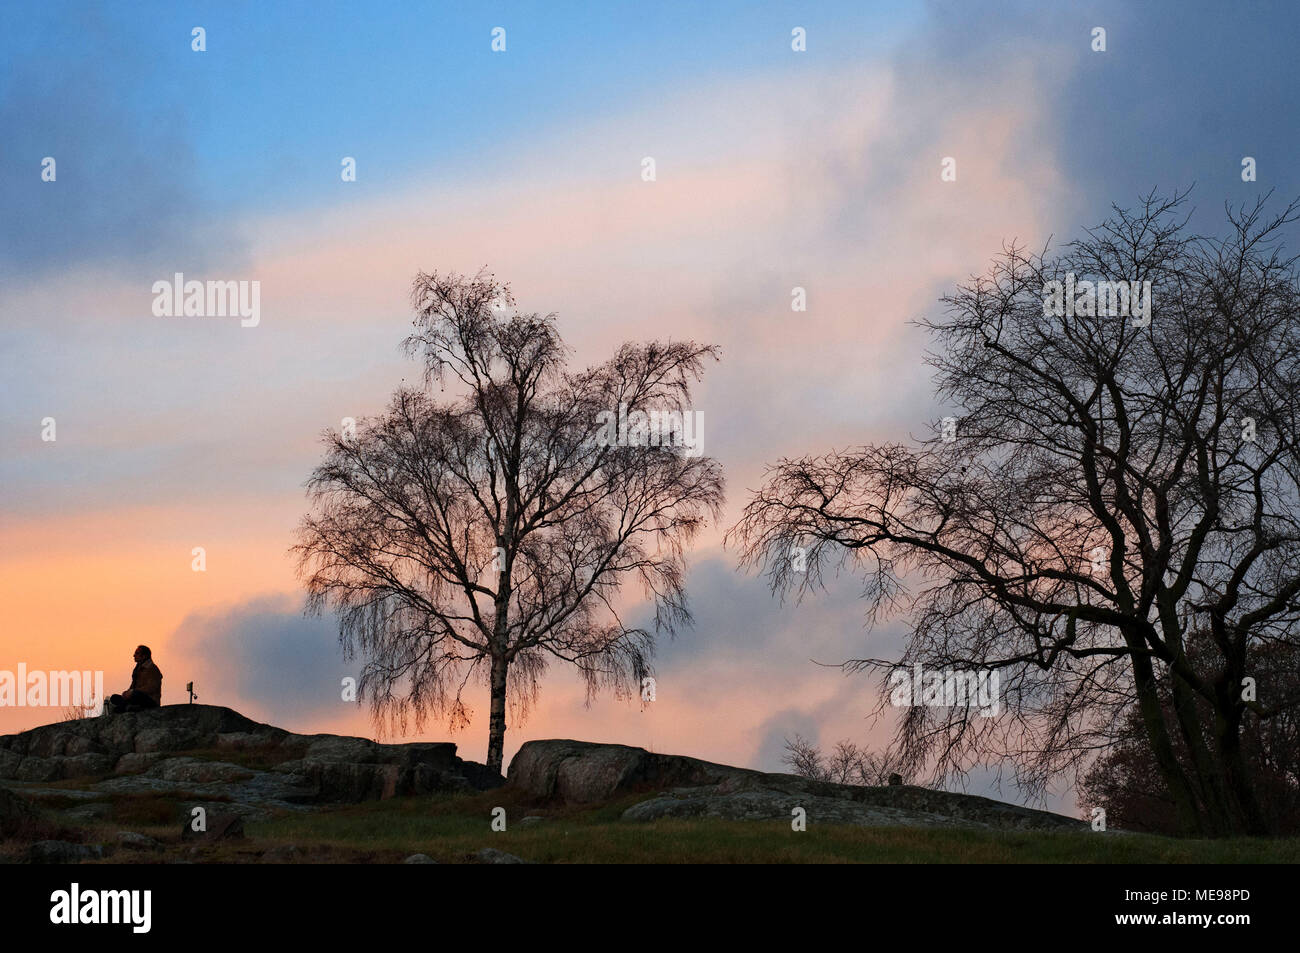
<point x="146" y="685"/>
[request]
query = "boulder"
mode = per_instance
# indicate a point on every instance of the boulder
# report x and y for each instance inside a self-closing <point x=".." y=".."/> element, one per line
<point x="85" y="765"/>
<point x="349" y="783"/>
<point x="62" y="743"/>
<point x="349" y="770"/>
<point x="581" y="772"/>
<point x="341" y="748"/>
<point x="262" y="738"/>
<point x="194" y="769"/>
<point x="36" y="768"/>
<point x="419" y="859"/>
<point x="165" y="729"/>
<point x="164" y="739"/>
<point x="133" y="841"/>
<point x="490" y="855"/>
<point x="137" y="763"/>
<point x="220" y="827"/>
<point x="480" y="776"/>
<point x="146" y="752"/>
<point x="177" y="778"/>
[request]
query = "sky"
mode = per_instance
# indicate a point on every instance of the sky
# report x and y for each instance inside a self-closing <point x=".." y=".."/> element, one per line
<point x="775" y="169"/>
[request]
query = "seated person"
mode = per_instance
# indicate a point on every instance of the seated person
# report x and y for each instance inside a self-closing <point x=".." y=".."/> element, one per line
<point x="146" y="685"/>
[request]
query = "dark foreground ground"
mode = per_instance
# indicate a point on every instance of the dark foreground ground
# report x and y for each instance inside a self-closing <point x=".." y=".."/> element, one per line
<point x="456" y="829"/>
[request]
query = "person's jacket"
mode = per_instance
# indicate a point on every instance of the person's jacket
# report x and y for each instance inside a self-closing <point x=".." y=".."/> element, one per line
<point x="147" y="680"/>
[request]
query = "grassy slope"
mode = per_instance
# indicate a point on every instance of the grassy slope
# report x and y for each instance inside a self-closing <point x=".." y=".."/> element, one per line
<point x="450" y="830"/>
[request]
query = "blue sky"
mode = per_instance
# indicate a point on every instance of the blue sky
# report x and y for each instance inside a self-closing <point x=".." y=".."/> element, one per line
<point x="404" y="87"/>
<point x="413" y="90"/>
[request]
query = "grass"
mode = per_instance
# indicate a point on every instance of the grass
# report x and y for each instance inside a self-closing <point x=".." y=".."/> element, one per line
<point x="453" y="829"/>
<point x="142" y="810"/>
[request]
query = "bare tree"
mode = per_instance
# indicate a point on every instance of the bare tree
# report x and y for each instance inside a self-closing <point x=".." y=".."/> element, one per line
<point x="845" y="764"/>
<point x="490" y="532"/>
<point x="1111" y="483"/>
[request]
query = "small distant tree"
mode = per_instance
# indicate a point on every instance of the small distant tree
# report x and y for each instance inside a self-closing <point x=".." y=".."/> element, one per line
<point x="490" y="532"/>
<point x="845" y="764"/>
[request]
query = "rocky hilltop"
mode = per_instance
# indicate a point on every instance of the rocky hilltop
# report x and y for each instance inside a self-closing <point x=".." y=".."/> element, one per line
<point x="66" y="787"/>
<point x="177" y="750"/>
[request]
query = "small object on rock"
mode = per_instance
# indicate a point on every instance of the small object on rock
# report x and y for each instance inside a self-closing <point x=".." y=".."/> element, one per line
<point x="895" y="779"/>
<point x="62" y="852"/>
<point x="490" y="855"/>
<point x="134" y="841"/>
<point x="532" y="819"/>
<point x="419" y="859"/>
<point x="220" y="827"/>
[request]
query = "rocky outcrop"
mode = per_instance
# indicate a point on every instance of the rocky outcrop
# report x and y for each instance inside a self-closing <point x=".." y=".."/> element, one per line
<point x="490" y="855"/>
<point x="579" y="772"/>
<point x="353" y="769"/>
<point x="867" y="807"/>
<point x="133" y="841"/>
<point x="215" y="758"/>
<point x="167" y="729"/>
<point x="147" y="752"/>
<point x="582" y="772"/>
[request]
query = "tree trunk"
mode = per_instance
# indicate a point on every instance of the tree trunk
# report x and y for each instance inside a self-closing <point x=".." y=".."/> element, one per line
<point x="1220" y="815"/>
<point x="1240" y="783"/>
<point x="1189" y="817"/>
<point x="497" y="720"/>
